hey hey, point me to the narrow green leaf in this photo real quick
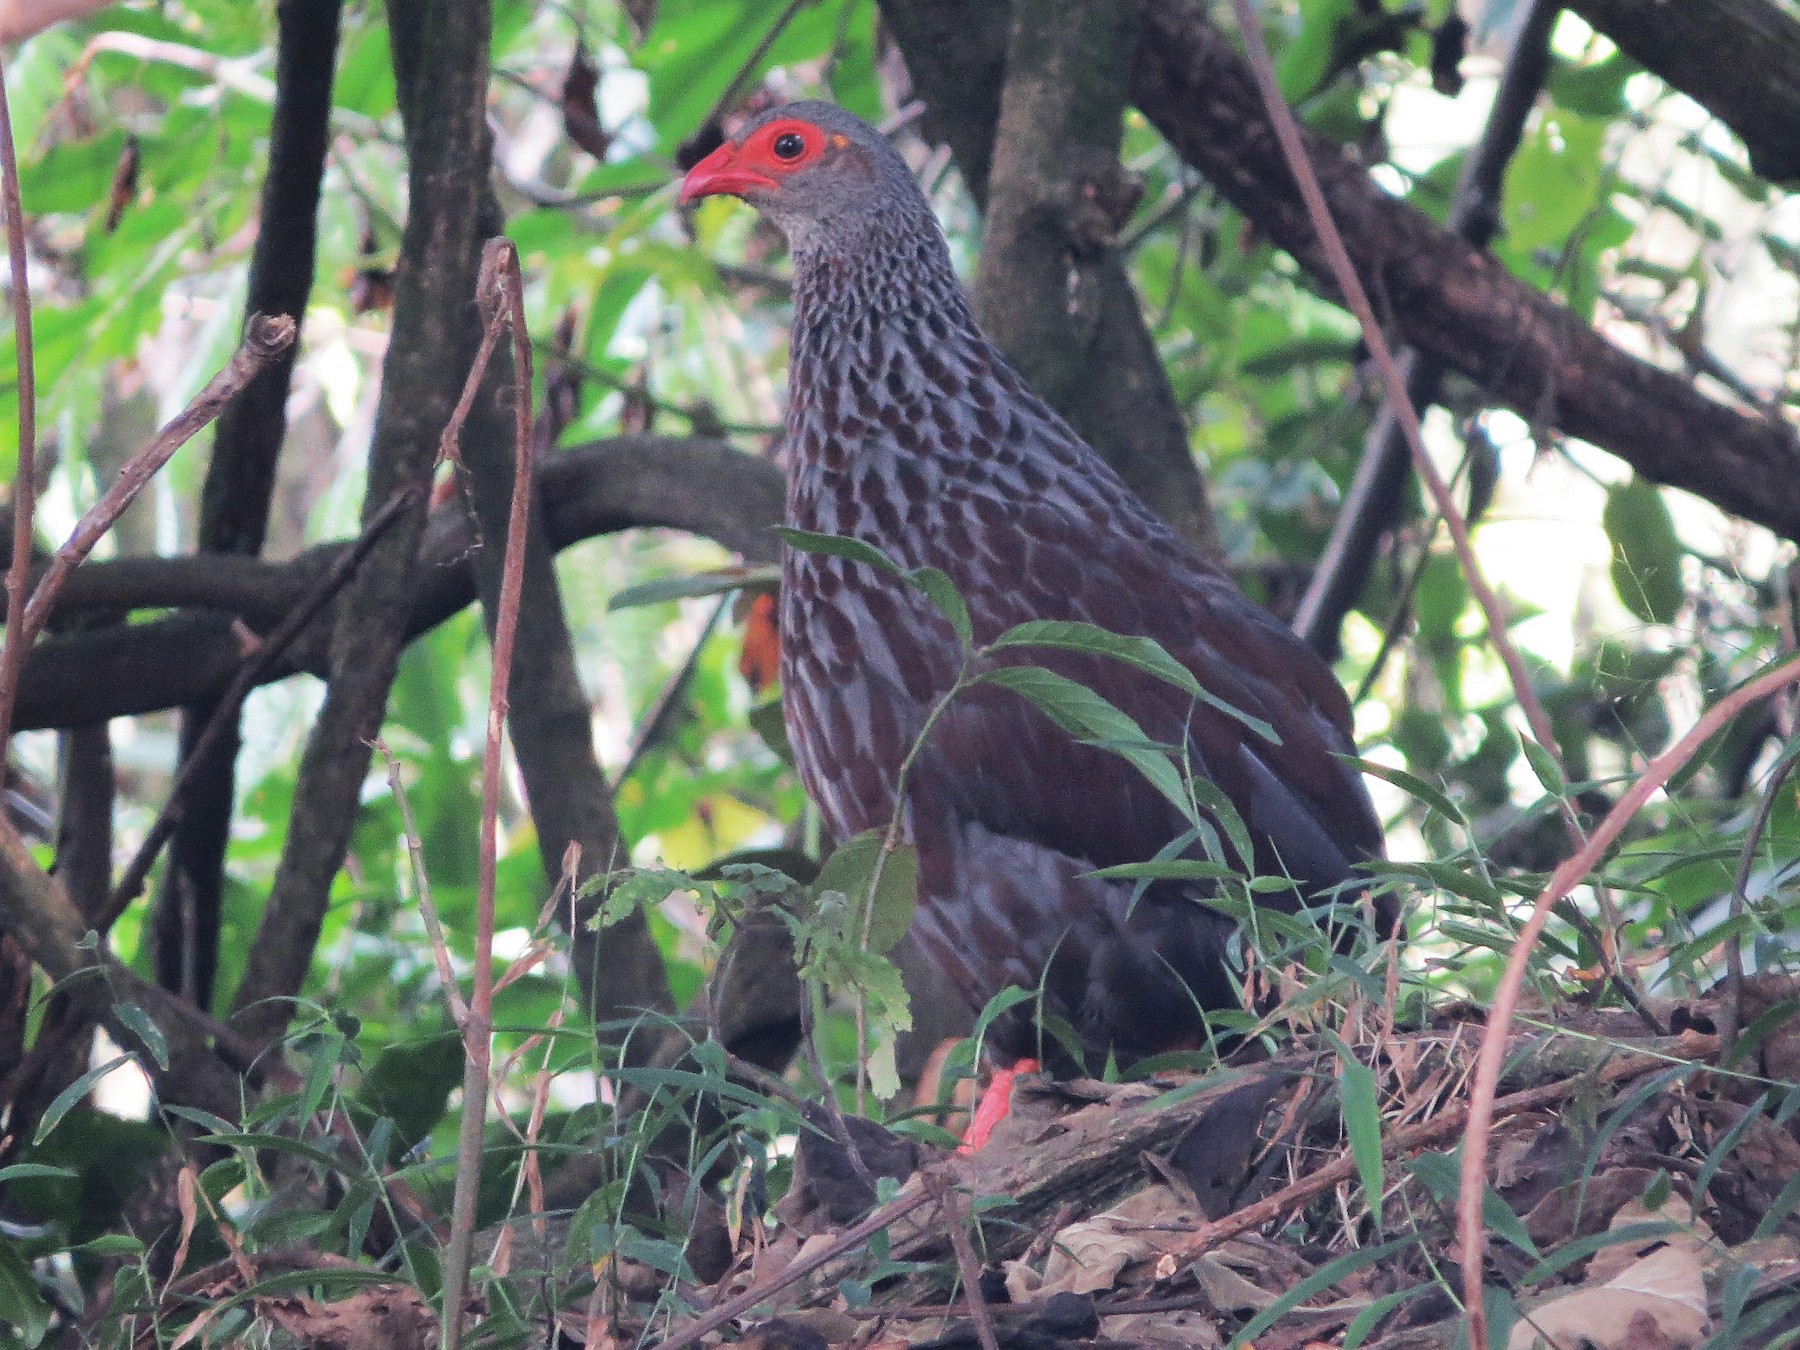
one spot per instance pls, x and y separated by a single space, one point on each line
1088 717
72 1094
1543 764
111 1244
1779 1210
1715 1159
21 1305
1317 1282
1145 653
932 583
1412 785
1169 869
36 1172
280 1143
720 581
1364 1322
840 546
1216 804
1360 1104
319 1073
942 592
146 1031
1631 1234
1439 1173
1007 999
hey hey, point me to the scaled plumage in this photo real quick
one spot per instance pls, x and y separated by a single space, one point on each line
908 429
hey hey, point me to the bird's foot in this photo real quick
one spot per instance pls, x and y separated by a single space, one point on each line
996 1102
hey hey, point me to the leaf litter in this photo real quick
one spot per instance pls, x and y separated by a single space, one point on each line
1643 1192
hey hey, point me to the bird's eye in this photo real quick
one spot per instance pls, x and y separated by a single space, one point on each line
789 145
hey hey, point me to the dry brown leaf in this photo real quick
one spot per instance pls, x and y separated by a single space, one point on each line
1610 1262
1610 1319
1658 1302
1227 1290
1088 1257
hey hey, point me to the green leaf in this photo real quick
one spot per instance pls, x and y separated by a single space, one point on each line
839 546
1215 803
73 1093
1088 717
719 581
280 1143
767 720
1411 784
1364 1322
1168 869
932 583
112 1244
1360 1105
1317 1282
1632 1234
1647 553
942 592
146 1031
1543 764
887 909
21 1305
1146 654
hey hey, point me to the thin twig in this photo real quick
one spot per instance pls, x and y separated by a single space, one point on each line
1474 215
1343 271
966 1264
500 293
840 1127
428 910
267 338
24 493
225 711
1471 1235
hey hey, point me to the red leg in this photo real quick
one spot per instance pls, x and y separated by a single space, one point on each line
995 1103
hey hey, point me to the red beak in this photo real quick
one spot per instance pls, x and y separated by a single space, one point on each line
720 173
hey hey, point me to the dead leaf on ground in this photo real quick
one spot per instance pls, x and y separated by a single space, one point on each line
1657 1302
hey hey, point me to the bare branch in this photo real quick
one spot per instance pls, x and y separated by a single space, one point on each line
1448 299
693 484
12 655
225 711
500 292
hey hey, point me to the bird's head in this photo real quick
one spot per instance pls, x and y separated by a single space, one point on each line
815 170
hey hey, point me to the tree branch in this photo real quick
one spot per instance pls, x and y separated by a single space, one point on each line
447 163
240 479
1739 59
694 484
1449 300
